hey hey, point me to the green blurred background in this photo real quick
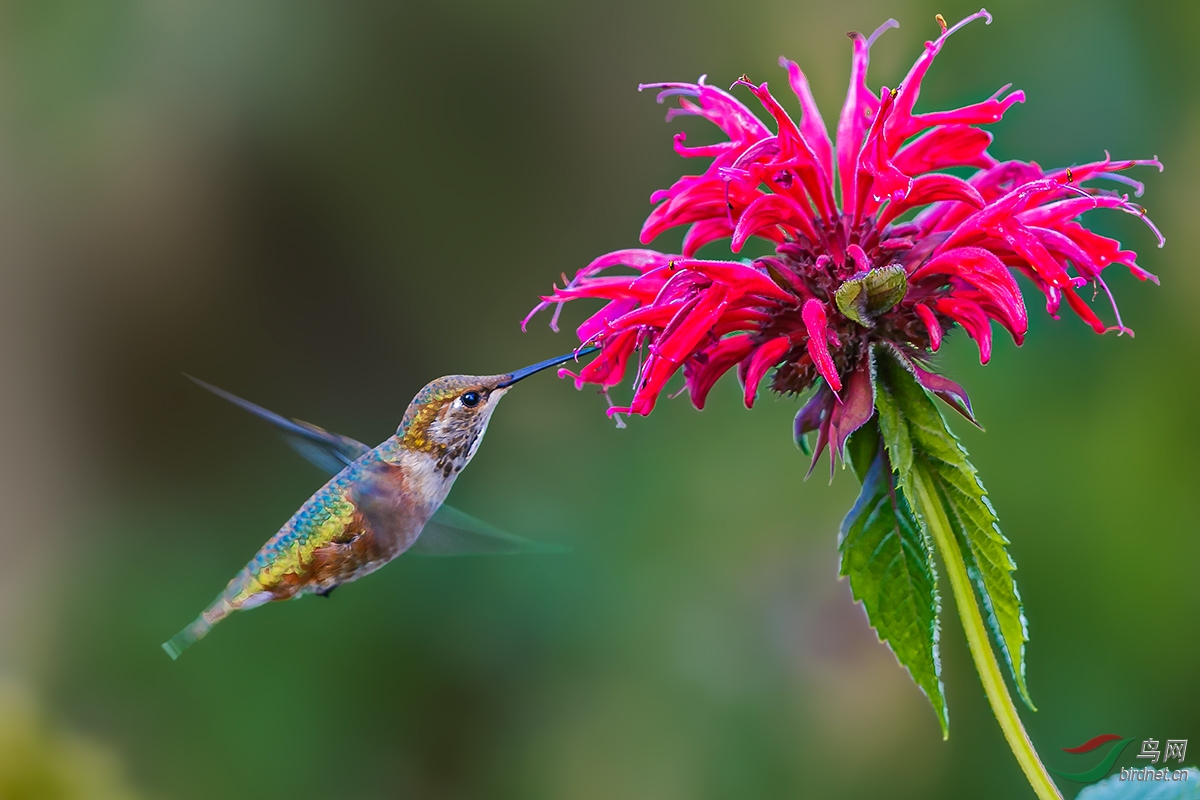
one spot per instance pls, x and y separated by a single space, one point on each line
322 205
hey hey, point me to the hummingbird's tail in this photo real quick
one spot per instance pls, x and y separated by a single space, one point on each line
199 627
186 637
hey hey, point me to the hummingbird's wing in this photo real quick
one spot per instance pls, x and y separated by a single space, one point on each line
451 532
331 452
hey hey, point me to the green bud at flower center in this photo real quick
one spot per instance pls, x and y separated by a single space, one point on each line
866 296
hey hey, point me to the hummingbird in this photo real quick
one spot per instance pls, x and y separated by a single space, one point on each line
381 502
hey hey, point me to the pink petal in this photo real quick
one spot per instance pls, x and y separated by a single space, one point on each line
690 326
717 106
815 322
987 112
814 416
945 146
608 368
696 198
704 232
910 88
601 322
983 270
852 410
1083 310
702 375
812 127
857 111
878 179
931 324
765 356
795 150
768 211
740 279
815 412
949 391
974 322
931 189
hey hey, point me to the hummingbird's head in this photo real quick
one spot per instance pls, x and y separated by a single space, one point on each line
448 418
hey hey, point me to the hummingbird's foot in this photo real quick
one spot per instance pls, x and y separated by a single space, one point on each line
326 592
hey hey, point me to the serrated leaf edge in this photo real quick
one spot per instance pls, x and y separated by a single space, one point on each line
953 448
875 475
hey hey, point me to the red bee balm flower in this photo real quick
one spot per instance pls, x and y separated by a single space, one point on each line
876 245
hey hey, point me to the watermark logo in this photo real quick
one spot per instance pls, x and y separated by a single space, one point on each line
1152 750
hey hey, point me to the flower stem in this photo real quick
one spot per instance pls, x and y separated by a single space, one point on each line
977 640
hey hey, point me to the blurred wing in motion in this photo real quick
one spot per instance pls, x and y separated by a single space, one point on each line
378 494
451 532
331 452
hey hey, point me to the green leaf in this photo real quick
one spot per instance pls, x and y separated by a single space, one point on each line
862 448
889 563
917 438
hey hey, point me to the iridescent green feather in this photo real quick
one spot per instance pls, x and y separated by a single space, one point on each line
318 522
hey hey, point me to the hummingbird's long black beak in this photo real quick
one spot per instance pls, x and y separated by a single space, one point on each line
521 374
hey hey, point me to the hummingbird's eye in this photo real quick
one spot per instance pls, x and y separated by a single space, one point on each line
470 399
